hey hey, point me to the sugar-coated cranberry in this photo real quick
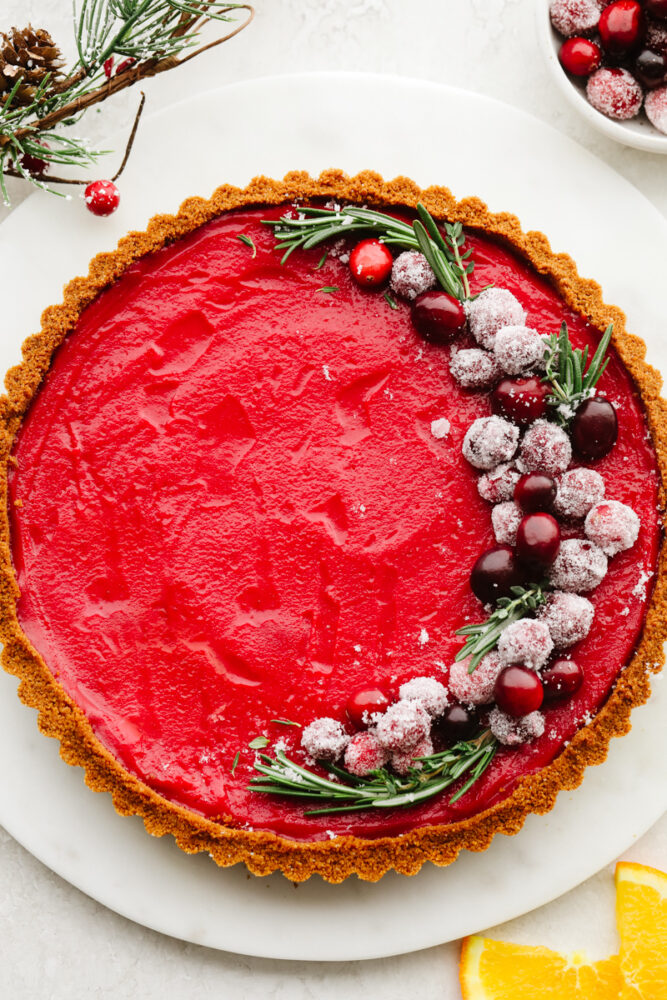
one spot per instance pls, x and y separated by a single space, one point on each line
495 573
594 428
580 56
656 108
622 26
370 264
562 679
101 197
365 703
521 400
650 68
614 92
535 491
518 691
538 540
457 723
658 8
438 317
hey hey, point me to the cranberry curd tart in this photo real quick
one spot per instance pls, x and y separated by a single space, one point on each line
333 525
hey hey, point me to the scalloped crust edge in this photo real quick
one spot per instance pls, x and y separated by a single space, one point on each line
334 860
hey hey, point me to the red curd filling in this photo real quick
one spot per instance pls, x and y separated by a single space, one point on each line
233 510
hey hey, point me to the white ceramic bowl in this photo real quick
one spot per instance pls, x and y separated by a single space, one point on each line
638 132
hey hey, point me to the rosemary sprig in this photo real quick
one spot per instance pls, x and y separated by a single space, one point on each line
446 254
571 382
381 789
248 241
483 637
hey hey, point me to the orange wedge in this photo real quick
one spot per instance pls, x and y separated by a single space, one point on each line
641 916
497 970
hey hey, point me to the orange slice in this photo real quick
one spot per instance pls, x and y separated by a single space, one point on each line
641 915
497 970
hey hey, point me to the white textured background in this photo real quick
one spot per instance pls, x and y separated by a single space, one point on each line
55 943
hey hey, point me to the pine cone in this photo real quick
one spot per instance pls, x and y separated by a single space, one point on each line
27 55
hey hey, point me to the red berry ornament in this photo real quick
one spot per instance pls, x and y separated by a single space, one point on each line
622 27
34 164
438 317
521 400
365 703
518 691
580 56
370 264
125 64
535 491
562 679
108 67
538 540
102 197
494 574
594 428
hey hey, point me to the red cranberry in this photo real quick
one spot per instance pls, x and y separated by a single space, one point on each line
650 69
580 56
518 691
521 400
370 263
535 491
366 700
438 316
658 8
538 540
494 574
622 26
594 429
457 723
562 679
102 197
108 67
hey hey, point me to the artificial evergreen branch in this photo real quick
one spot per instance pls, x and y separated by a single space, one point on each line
119 42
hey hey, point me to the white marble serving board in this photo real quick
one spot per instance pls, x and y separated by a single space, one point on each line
271 126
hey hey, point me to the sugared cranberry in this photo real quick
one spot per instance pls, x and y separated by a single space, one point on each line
656 108
365 703
534 492
538 540
370 264
594 428
614 92
438 316
494 574
580 56
622 26
650 68
101 197
562 679
518 691
521 400
457 723
658 8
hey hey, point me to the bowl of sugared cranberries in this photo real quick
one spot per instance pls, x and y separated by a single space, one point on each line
609 59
